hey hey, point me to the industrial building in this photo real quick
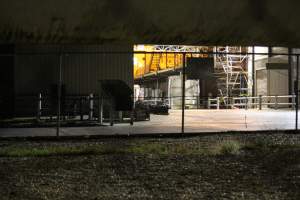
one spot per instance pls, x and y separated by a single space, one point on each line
154 72
28 71
211 72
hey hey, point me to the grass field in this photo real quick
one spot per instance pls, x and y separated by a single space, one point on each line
240 166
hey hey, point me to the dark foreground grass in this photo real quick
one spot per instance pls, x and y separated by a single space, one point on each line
14 151
214 167
228 147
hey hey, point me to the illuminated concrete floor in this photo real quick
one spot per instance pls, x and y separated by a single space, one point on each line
195 121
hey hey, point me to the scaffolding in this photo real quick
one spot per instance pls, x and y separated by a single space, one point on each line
231 71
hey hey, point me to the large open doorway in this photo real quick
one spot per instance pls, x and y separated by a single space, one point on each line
225 88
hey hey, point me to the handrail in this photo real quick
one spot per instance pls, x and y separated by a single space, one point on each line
246 102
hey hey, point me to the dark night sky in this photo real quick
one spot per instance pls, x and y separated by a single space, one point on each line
244 22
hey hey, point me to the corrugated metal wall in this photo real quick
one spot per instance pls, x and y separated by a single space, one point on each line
35 73
261 82
261 77
278 82
37 67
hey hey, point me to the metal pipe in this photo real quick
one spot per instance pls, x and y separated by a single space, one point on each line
183 93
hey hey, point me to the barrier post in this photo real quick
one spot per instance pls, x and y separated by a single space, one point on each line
81 109
276 102
293 102
91 103
233 103
39 109
112 112
100 109
218 103
260 102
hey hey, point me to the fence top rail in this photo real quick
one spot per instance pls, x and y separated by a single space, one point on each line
242 98
287 96
66 53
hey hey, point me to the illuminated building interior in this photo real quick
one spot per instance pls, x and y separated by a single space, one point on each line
157 58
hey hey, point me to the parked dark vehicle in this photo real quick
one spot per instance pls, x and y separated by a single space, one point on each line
141 111
157 107
160 108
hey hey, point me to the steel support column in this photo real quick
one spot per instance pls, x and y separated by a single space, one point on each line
290 72
297 91
183 92
253 72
